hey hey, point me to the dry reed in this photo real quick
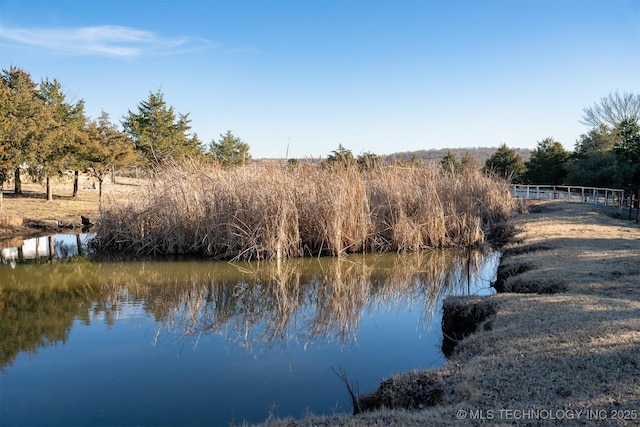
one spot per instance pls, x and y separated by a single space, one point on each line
269 211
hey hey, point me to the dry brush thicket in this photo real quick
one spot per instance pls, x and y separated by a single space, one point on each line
271 211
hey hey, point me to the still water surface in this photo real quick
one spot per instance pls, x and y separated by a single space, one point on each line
210 343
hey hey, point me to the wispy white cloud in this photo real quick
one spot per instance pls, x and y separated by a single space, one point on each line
106 40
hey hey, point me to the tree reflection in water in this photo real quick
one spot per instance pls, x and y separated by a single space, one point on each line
255 306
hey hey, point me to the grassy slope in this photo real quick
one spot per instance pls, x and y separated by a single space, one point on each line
579 349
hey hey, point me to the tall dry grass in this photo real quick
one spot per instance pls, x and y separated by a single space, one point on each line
272 211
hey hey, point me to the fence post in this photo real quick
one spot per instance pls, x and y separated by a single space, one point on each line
621 200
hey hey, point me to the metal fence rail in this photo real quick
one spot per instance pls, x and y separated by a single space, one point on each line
600 196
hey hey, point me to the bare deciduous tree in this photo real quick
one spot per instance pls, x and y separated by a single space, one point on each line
612 110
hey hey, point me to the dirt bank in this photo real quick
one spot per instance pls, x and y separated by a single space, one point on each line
14 228
567 352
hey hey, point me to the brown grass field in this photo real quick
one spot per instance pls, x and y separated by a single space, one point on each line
566 358
33 204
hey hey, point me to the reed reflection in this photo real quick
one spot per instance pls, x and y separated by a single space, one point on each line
311 301
253 306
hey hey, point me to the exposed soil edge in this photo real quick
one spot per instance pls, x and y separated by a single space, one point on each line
462 316
409 390
509 278
19 228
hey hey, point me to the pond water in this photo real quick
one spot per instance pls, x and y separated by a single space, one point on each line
212 343
51 247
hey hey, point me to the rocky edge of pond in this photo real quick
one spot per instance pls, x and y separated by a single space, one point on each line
559 344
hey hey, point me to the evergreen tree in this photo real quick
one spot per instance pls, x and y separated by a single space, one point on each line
547 164
598 169
627 143
607 157
627 149
597 140
341 156
59 137
507 164
368 161
106 148
449 162
593 162
23 116
159 134
230 151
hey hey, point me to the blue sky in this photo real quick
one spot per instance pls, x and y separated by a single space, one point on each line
379 76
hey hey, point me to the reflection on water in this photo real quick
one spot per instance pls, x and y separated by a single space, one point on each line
317 311
56 246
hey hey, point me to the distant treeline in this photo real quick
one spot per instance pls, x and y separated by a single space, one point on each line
480 154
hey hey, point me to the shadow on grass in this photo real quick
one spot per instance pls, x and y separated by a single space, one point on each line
579 349
35 195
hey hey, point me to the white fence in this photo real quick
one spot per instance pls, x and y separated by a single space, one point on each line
599 196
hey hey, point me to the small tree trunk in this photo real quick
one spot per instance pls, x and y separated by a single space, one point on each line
113 174
17 182
2 177
638 210
100 193
49 192
75 184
